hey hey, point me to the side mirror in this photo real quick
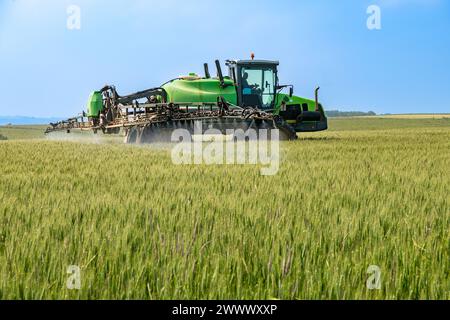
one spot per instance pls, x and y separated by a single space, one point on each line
291 91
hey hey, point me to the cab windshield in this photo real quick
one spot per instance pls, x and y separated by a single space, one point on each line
258 86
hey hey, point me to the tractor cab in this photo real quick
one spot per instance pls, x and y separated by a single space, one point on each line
256 82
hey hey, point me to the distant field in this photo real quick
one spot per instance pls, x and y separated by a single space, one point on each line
367 192
335 124
381 123
411 116
23 132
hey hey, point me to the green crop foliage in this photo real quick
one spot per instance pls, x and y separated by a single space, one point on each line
140 227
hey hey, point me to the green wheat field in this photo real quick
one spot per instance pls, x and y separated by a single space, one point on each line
366 192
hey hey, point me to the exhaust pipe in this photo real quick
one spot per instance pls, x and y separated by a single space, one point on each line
219 74
317 98
207 75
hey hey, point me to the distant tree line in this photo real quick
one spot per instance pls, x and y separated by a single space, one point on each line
337 113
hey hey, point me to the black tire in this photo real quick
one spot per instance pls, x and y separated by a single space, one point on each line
132 135
156 134
287 132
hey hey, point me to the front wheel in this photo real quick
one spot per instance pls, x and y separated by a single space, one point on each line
132 135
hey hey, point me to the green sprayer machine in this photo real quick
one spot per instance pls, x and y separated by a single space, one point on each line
250 96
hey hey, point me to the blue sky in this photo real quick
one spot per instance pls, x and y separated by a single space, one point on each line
48 70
